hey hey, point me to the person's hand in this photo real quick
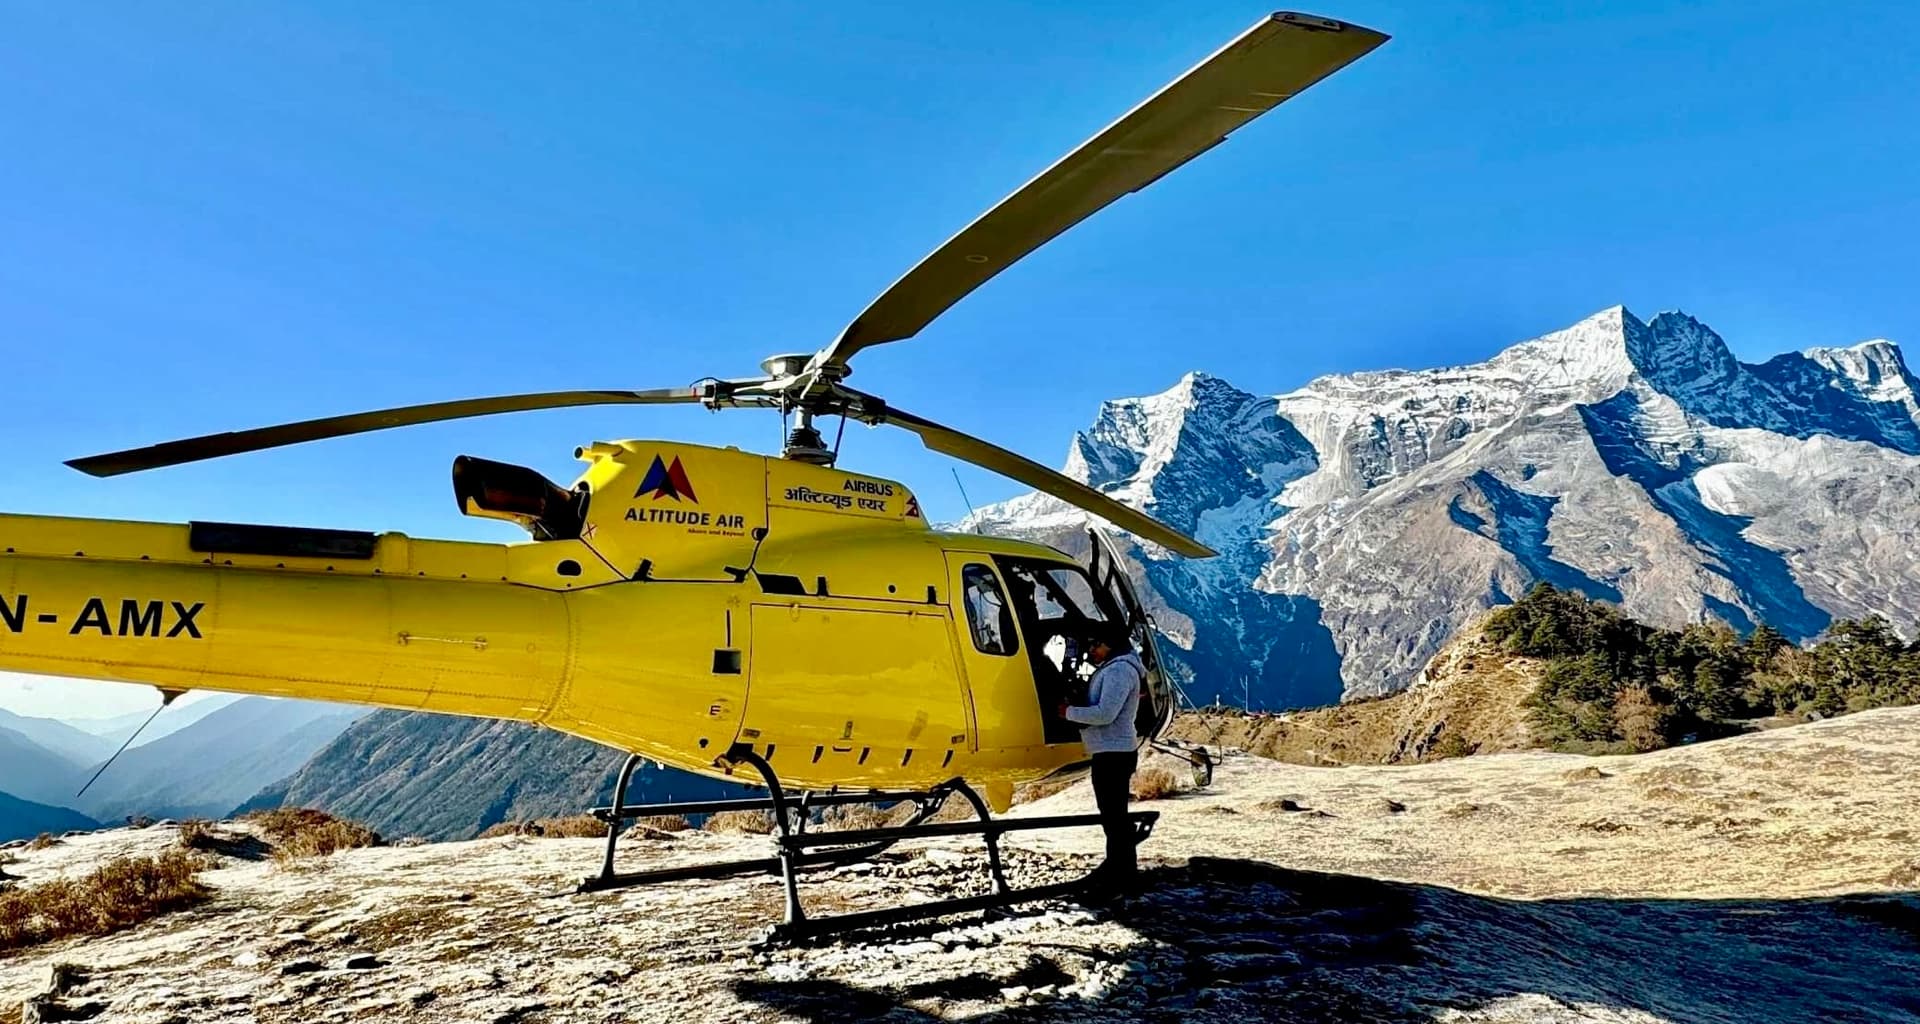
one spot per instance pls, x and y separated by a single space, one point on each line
1060 709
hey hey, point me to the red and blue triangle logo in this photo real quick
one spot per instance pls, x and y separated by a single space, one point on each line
667 481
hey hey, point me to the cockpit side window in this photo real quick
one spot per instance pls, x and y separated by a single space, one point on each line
989 617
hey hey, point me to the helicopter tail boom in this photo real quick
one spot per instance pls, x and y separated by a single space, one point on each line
326 615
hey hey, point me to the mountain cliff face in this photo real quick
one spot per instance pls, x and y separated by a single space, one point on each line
1365 517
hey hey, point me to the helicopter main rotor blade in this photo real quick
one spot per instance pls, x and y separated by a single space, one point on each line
213 446
986 455
1268 64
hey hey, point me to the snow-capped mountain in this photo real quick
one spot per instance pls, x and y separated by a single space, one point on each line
1365 517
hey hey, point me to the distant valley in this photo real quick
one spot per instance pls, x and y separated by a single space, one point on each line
442 777
222 754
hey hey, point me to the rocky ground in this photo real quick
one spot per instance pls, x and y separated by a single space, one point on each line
1771 877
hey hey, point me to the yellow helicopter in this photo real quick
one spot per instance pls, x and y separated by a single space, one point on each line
701 607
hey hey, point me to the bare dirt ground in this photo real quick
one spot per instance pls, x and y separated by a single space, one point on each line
1771 877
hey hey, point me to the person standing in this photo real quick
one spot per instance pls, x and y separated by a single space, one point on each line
1107 731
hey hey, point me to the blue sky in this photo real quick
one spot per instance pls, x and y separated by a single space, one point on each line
220 215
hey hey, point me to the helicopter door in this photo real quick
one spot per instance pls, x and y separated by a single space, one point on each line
842 687
1005 706
1104 565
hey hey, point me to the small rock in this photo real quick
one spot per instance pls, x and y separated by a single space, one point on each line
940 856
1014 993
63 978
360 962
300 967
247 959
480 979
1391 806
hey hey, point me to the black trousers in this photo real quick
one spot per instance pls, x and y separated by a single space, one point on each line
1112 788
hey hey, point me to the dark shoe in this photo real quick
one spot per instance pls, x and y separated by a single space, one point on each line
1107 886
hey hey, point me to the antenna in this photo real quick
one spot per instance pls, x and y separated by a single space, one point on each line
963 494
166 698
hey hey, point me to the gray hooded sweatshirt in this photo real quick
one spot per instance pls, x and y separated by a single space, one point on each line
1106 723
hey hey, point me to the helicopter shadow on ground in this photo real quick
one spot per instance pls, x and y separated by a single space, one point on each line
1232 940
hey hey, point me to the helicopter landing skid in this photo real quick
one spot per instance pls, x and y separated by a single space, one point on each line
799 850
785 809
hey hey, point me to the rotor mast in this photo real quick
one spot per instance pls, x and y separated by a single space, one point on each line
803 442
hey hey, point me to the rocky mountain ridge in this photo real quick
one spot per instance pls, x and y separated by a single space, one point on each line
1470 699
1365 517
20 819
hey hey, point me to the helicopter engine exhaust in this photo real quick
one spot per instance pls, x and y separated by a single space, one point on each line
500 490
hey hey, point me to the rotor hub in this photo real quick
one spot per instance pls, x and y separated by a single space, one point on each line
789 364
